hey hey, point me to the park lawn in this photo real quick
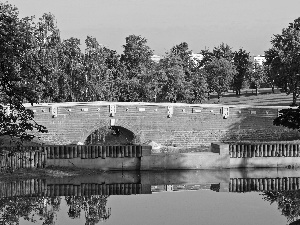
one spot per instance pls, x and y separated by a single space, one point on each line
248 97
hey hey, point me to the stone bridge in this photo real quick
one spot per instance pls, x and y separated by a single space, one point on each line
169 124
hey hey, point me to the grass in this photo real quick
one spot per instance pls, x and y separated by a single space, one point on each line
248 97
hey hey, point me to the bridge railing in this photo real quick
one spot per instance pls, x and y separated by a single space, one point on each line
241 150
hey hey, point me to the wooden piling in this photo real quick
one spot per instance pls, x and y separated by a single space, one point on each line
70 151
93 154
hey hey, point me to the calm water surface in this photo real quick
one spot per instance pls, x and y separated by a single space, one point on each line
218 197
187 207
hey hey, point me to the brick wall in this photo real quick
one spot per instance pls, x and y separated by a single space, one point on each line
188 125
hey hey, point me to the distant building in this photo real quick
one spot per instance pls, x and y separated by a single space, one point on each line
259 59
196 56
156 58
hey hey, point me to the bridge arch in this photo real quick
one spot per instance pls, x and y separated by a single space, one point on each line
102 132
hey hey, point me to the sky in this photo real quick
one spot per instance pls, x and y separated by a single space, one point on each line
203 24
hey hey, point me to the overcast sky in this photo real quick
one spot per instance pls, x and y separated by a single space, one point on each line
247 24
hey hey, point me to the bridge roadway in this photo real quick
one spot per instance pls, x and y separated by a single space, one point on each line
169 124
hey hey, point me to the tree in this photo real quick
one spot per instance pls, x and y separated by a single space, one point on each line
136 55
20 74
223 51
220 73
272 67
199 85
14 208
174 86
218 68
288 203
257 76
72 85
284 57
241 61
136 59
97 75
289 118
93 206
182 78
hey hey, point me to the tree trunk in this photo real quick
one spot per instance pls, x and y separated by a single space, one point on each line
219 97
256 91
294 99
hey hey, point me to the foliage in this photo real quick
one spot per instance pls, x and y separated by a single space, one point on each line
174 85
93 206
223 51
288 202
182 78
20 74
220 73
136 59
14 208
272 68
199 85
289 118
284 57
241 61
257 76
58 71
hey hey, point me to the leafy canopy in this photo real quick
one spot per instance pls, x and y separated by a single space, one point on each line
20 74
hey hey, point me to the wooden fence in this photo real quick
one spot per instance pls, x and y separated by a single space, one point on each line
240 150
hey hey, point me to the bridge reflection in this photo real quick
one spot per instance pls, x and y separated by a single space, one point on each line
87 195
132 183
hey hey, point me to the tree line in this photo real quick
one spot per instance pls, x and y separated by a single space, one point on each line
36 65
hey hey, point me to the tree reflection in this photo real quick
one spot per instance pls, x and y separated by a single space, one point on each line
44 209
288 203
14 208
93 206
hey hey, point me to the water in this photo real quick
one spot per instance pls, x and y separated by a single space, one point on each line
169 197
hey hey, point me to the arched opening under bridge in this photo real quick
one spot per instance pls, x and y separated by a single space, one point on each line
114 135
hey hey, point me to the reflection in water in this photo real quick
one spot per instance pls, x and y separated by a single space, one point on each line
288 203
44 209
93 206
13 208
40 199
